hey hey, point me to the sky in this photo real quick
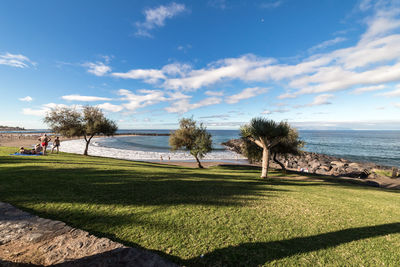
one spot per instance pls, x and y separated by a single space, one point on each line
321 64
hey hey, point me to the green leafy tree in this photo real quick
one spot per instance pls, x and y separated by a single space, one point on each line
71 123
291 144
191 137
266 134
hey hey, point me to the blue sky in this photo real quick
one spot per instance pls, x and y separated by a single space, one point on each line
317 64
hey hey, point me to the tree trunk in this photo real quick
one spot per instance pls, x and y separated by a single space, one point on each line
265 162
280 163
198 162
86 148
87 145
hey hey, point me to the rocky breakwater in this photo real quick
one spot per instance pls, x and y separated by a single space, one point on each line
318 163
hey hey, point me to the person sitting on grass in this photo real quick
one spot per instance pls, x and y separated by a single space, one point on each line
22 150
56 144
38 149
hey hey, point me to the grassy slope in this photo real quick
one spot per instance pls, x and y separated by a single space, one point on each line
226 213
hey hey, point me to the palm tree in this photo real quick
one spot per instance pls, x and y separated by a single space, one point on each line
266 134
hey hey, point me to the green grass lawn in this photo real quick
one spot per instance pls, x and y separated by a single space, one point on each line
215 217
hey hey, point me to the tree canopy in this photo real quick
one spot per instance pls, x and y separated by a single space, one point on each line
89 122
266 134
194 138
291 144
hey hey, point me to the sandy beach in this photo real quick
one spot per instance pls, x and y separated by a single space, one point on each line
29 140
25 140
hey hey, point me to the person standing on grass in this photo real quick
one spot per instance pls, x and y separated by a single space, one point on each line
56 144
44 140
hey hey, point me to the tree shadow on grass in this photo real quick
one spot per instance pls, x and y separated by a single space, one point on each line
160 187
134 186
138 184
246 254
256 254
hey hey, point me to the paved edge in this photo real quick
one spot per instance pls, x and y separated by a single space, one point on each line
28 240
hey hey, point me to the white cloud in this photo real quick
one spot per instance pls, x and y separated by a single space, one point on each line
41 112
184 48
271 4
278 110
365 5
155 17
176 95
176 69
14 60
222 116
97 68
321 100
281 104
34 112
26 99
221 4
84 98
110 107
287 95
383 22
183 77
327 44
214 93
150 75
145 98
392 93
246 93
318 100
368 89
225 69
184 105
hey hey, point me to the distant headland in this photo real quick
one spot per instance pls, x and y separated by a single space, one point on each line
10 128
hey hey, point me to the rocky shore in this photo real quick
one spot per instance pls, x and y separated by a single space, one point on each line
321 164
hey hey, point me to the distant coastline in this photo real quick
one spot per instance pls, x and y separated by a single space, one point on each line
11 128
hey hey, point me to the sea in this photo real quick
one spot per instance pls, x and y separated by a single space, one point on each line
380 147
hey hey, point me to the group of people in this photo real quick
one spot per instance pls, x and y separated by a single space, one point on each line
42 146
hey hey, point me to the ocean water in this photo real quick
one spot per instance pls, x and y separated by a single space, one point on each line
381 147
160 143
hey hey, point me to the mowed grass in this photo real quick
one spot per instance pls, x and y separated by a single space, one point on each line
216 217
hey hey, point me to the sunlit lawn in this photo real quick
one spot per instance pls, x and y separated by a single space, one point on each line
217 216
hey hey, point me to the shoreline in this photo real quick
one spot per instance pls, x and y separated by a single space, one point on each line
77 147
15 140
30 139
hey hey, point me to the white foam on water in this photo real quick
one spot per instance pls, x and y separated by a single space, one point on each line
78 146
